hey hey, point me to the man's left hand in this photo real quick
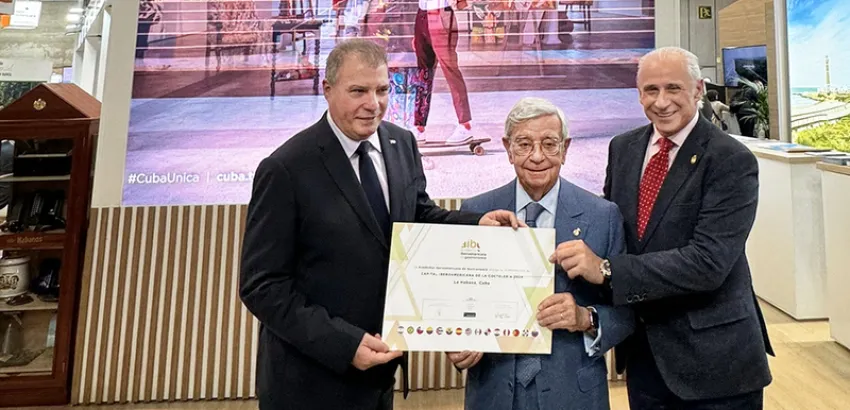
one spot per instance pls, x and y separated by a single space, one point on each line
576 258
560 311
501 218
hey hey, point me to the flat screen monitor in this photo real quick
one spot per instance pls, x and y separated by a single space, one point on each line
745 62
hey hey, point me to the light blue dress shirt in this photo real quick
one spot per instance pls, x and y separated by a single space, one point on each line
546 219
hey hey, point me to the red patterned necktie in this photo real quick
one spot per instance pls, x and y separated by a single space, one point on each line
653 177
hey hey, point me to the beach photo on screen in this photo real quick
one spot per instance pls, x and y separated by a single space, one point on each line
819 71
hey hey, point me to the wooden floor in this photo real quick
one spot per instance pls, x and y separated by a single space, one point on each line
810 372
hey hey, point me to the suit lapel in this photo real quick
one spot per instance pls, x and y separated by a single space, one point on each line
506 199
389 149
339 167
684 164
568 227
632 168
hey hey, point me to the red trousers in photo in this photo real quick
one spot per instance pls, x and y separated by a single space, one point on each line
435 36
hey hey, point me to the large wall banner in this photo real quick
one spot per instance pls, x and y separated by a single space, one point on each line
219 84
819 62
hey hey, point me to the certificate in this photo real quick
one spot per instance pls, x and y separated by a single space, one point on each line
455 287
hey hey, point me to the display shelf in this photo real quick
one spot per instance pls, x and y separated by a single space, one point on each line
35 305
33 240
48 113
12 178
43 364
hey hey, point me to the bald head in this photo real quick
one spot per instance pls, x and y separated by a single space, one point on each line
670 87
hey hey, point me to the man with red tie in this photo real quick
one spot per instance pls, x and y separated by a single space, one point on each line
688 194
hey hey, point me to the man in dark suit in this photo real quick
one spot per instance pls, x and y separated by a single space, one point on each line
316 246
688 194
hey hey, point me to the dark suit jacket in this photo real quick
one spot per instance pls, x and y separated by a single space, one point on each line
688 279
314 266
569 378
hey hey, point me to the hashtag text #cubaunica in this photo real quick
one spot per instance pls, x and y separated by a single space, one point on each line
166 178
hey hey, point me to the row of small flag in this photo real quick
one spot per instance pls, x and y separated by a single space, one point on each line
468 331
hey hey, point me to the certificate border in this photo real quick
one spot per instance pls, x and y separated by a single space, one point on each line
400 256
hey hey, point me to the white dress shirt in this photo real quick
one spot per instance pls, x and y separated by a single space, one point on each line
678 139
546 219
350 147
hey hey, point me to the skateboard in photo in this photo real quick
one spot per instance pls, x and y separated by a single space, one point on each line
474 145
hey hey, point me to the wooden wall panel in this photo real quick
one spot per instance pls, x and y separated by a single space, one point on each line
160 317
742 24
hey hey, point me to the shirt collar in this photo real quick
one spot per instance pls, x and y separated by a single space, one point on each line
549 201
349 145
678 138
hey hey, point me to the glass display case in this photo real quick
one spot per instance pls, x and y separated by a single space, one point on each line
47 139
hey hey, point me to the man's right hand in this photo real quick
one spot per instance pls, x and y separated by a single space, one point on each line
372 352
465 359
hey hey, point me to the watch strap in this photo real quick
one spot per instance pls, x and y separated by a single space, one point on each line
594 318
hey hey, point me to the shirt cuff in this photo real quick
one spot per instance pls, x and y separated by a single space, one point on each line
592 345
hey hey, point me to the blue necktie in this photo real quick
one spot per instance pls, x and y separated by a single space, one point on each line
527 366
372 188
532 212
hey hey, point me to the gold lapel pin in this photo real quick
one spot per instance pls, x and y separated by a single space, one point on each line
693 159
577 232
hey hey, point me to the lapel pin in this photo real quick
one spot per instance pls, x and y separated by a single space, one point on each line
392 141
577 232
693 159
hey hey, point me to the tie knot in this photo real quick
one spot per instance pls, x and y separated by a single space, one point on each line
666 144
532 211
364 148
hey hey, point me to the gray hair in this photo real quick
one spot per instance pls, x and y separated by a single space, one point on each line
529 108
368 52
675 53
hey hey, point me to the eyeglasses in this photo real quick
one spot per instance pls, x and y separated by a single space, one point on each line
525 146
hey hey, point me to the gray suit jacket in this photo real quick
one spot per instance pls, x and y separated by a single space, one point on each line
688 279
569 378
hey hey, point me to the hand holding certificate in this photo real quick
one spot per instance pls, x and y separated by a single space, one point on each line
455 288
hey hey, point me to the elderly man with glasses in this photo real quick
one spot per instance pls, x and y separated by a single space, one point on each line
584 324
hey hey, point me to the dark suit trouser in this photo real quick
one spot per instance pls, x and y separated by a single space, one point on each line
435 40
648 391
385 402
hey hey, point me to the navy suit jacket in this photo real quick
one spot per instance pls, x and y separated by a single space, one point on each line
569 378
688 279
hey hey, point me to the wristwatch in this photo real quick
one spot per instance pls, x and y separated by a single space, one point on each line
605 269
594 318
